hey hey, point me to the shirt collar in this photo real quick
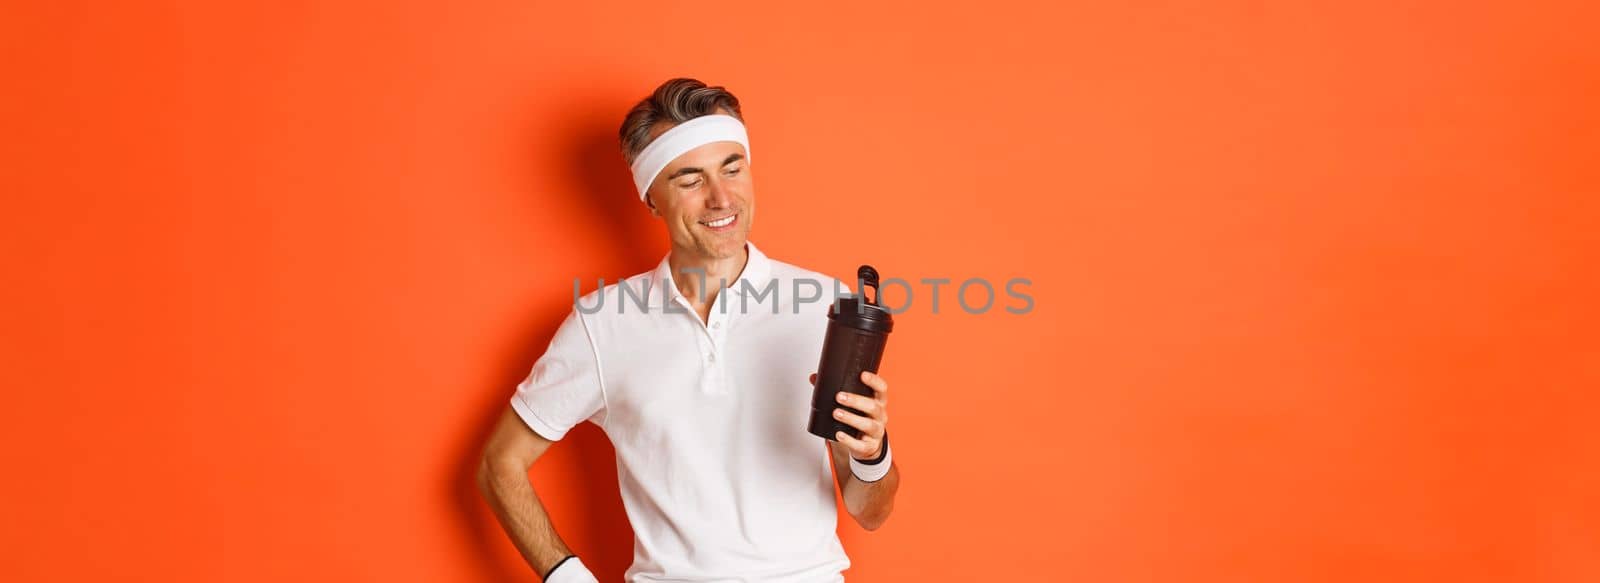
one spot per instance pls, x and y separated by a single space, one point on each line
753 278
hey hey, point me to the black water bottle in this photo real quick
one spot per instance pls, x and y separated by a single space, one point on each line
857 332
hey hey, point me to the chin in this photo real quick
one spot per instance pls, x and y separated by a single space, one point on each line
732 247
728 247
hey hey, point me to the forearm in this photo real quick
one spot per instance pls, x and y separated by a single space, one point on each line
523 517
871 502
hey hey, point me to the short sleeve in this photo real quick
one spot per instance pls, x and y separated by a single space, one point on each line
563 389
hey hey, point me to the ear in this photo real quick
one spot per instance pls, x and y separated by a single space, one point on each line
649 201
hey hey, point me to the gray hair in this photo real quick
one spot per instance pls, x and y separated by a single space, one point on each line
674 102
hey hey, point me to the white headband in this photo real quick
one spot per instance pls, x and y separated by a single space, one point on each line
681 138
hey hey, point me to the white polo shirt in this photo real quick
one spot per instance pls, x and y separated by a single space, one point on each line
719 477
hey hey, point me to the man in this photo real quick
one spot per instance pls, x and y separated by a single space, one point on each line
694 371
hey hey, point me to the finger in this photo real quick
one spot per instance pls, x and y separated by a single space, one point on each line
866 424
859 403
859 449
877 383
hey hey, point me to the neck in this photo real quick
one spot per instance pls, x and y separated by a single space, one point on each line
719 271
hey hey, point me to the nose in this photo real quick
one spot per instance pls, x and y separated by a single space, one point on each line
718 197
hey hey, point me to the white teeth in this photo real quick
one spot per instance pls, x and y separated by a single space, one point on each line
722 222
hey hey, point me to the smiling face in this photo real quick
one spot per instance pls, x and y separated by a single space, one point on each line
707 200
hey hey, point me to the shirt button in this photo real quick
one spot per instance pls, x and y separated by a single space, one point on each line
716 324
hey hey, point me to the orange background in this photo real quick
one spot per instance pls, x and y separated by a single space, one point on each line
1314 285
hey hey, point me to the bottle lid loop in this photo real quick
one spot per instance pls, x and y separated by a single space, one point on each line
869 277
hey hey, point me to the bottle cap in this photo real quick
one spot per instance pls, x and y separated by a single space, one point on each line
860 312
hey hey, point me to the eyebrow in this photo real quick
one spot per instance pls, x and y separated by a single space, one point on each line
734 157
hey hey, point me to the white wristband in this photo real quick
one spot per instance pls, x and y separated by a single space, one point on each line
571 571
872 472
